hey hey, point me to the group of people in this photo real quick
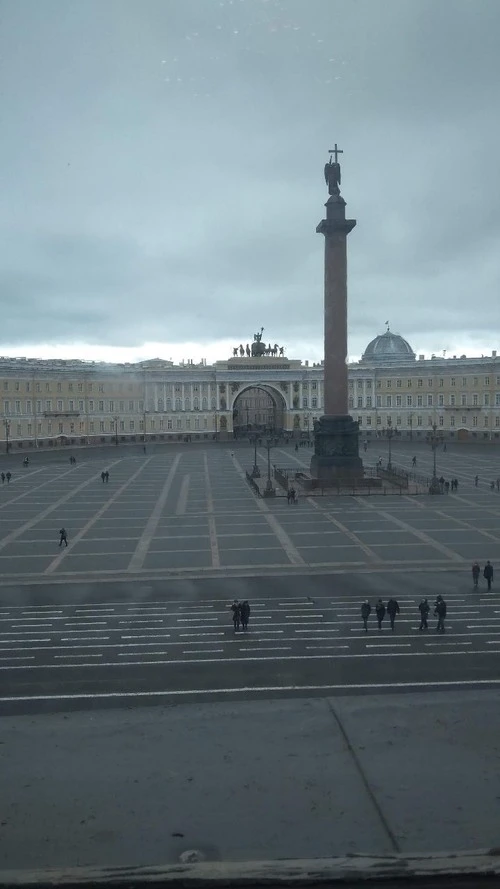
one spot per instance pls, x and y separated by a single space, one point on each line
487 573
4 476
105 476
291 495
241 615
445 485
392 609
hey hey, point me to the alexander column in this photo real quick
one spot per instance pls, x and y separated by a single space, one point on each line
336 446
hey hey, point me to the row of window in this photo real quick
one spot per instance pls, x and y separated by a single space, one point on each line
475 381
107 426
44 386
464 421
418 401
19 407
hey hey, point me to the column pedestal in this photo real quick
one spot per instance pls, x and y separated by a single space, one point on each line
336 450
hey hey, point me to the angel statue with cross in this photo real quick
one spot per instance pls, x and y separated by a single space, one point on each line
332 171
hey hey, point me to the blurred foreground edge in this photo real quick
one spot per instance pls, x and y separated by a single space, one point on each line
477 868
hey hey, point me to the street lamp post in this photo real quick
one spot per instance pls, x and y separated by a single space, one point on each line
410 423
390 433
255 471
269 490
6 423
115 421
434 438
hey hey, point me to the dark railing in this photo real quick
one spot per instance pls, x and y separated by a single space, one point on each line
254 486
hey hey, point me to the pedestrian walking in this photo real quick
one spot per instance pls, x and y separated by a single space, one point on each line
498 484
63 537
492 486
476 481
293 495
456 484
380 611
235 608
440 611
245 615
447 487
366 609
8 476
444 447
413 461
106 476
476 571
103 476
2 476
392 610
424 609
488 573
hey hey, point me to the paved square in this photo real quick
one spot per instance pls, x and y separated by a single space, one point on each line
138 601
191 509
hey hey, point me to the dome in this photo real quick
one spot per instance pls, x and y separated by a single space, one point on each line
388 348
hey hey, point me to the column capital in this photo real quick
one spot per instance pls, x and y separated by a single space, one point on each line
329 227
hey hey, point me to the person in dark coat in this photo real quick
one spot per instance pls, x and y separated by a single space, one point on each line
366 609
8 476
380 611
103 476
424 609
2 476
63 537
245 614
440 611
235 608
392 610
488 573
476 571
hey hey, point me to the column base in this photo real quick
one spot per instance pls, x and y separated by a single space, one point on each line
336 450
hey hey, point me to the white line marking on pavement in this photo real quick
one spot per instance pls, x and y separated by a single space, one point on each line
214 651
53 478
238 690
66 656
100 512
237 660
50 509
212 529
372 555
281 648
327 647
285 541
180 509
28 658
451 554
389 645
141 550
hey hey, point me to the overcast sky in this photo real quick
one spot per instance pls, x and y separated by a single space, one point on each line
161 167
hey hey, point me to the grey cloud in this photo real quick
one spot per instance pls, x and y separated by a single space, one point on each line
163 168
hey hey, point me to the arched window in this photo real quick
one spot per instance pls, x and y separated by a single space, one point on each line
169 404
204 404
187 404
178 404
214 403
160 404
196 403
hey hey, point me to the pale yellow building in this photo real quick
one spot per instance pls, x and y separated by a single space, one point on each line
56 403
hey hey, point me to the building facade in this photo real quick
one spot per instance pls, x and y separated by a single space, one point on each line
57 403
